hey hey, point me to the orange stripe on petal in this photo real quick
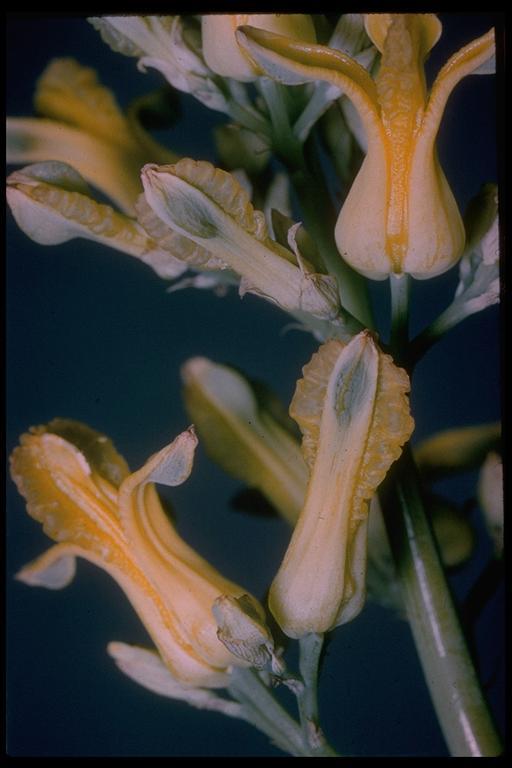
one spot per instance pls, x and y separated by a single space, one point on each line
465 62
187 583
293 62
58 485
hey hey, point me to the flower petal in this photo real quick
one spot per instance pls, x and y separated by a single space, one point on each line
490 496
54 569
242 436
103 164
479 268
220 47
353 410
456 450
71 94
61 492
211 208
377 26
87 130
187 584
52 204
178 246
294 63
159 42
146 668
474 58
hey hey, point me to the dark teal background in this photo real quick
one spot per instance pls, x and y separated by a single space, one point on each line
92 335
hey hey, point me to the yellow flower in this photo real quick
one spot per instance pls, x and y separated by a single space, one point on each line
82 125
221 50
353 411
78 486
400 215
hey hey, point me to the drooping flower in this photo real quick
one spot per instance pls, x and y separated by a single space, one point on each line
220 47
353 412
78 486
400 215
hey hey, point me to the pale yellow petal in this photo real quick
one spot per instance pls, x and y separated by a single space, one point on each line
172 242
242 436
435 231
293 63
52 204
72 94
476 55
103 164
222 52
146 668
435 228
377 26
54 569
456 450
167 44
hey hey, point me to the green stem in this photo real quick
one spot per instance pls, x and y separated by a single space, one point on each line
400 290
456 695
447 320
310 650
320 221
263 711
319 216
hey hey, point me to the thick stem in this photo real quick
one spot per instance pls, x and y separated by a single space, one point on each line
458 700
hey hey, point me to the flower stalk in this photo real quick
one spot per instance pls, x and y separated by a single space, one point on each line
400 292
456 695
262 710
310 650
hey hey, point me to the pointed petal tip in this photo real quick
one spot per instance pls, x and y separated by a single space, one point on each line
194 368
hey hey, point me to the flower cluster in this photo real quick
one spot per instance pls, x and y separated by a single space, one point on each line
277 77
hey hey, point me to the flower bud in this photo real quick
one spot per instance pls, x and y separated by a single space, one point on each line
353 411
